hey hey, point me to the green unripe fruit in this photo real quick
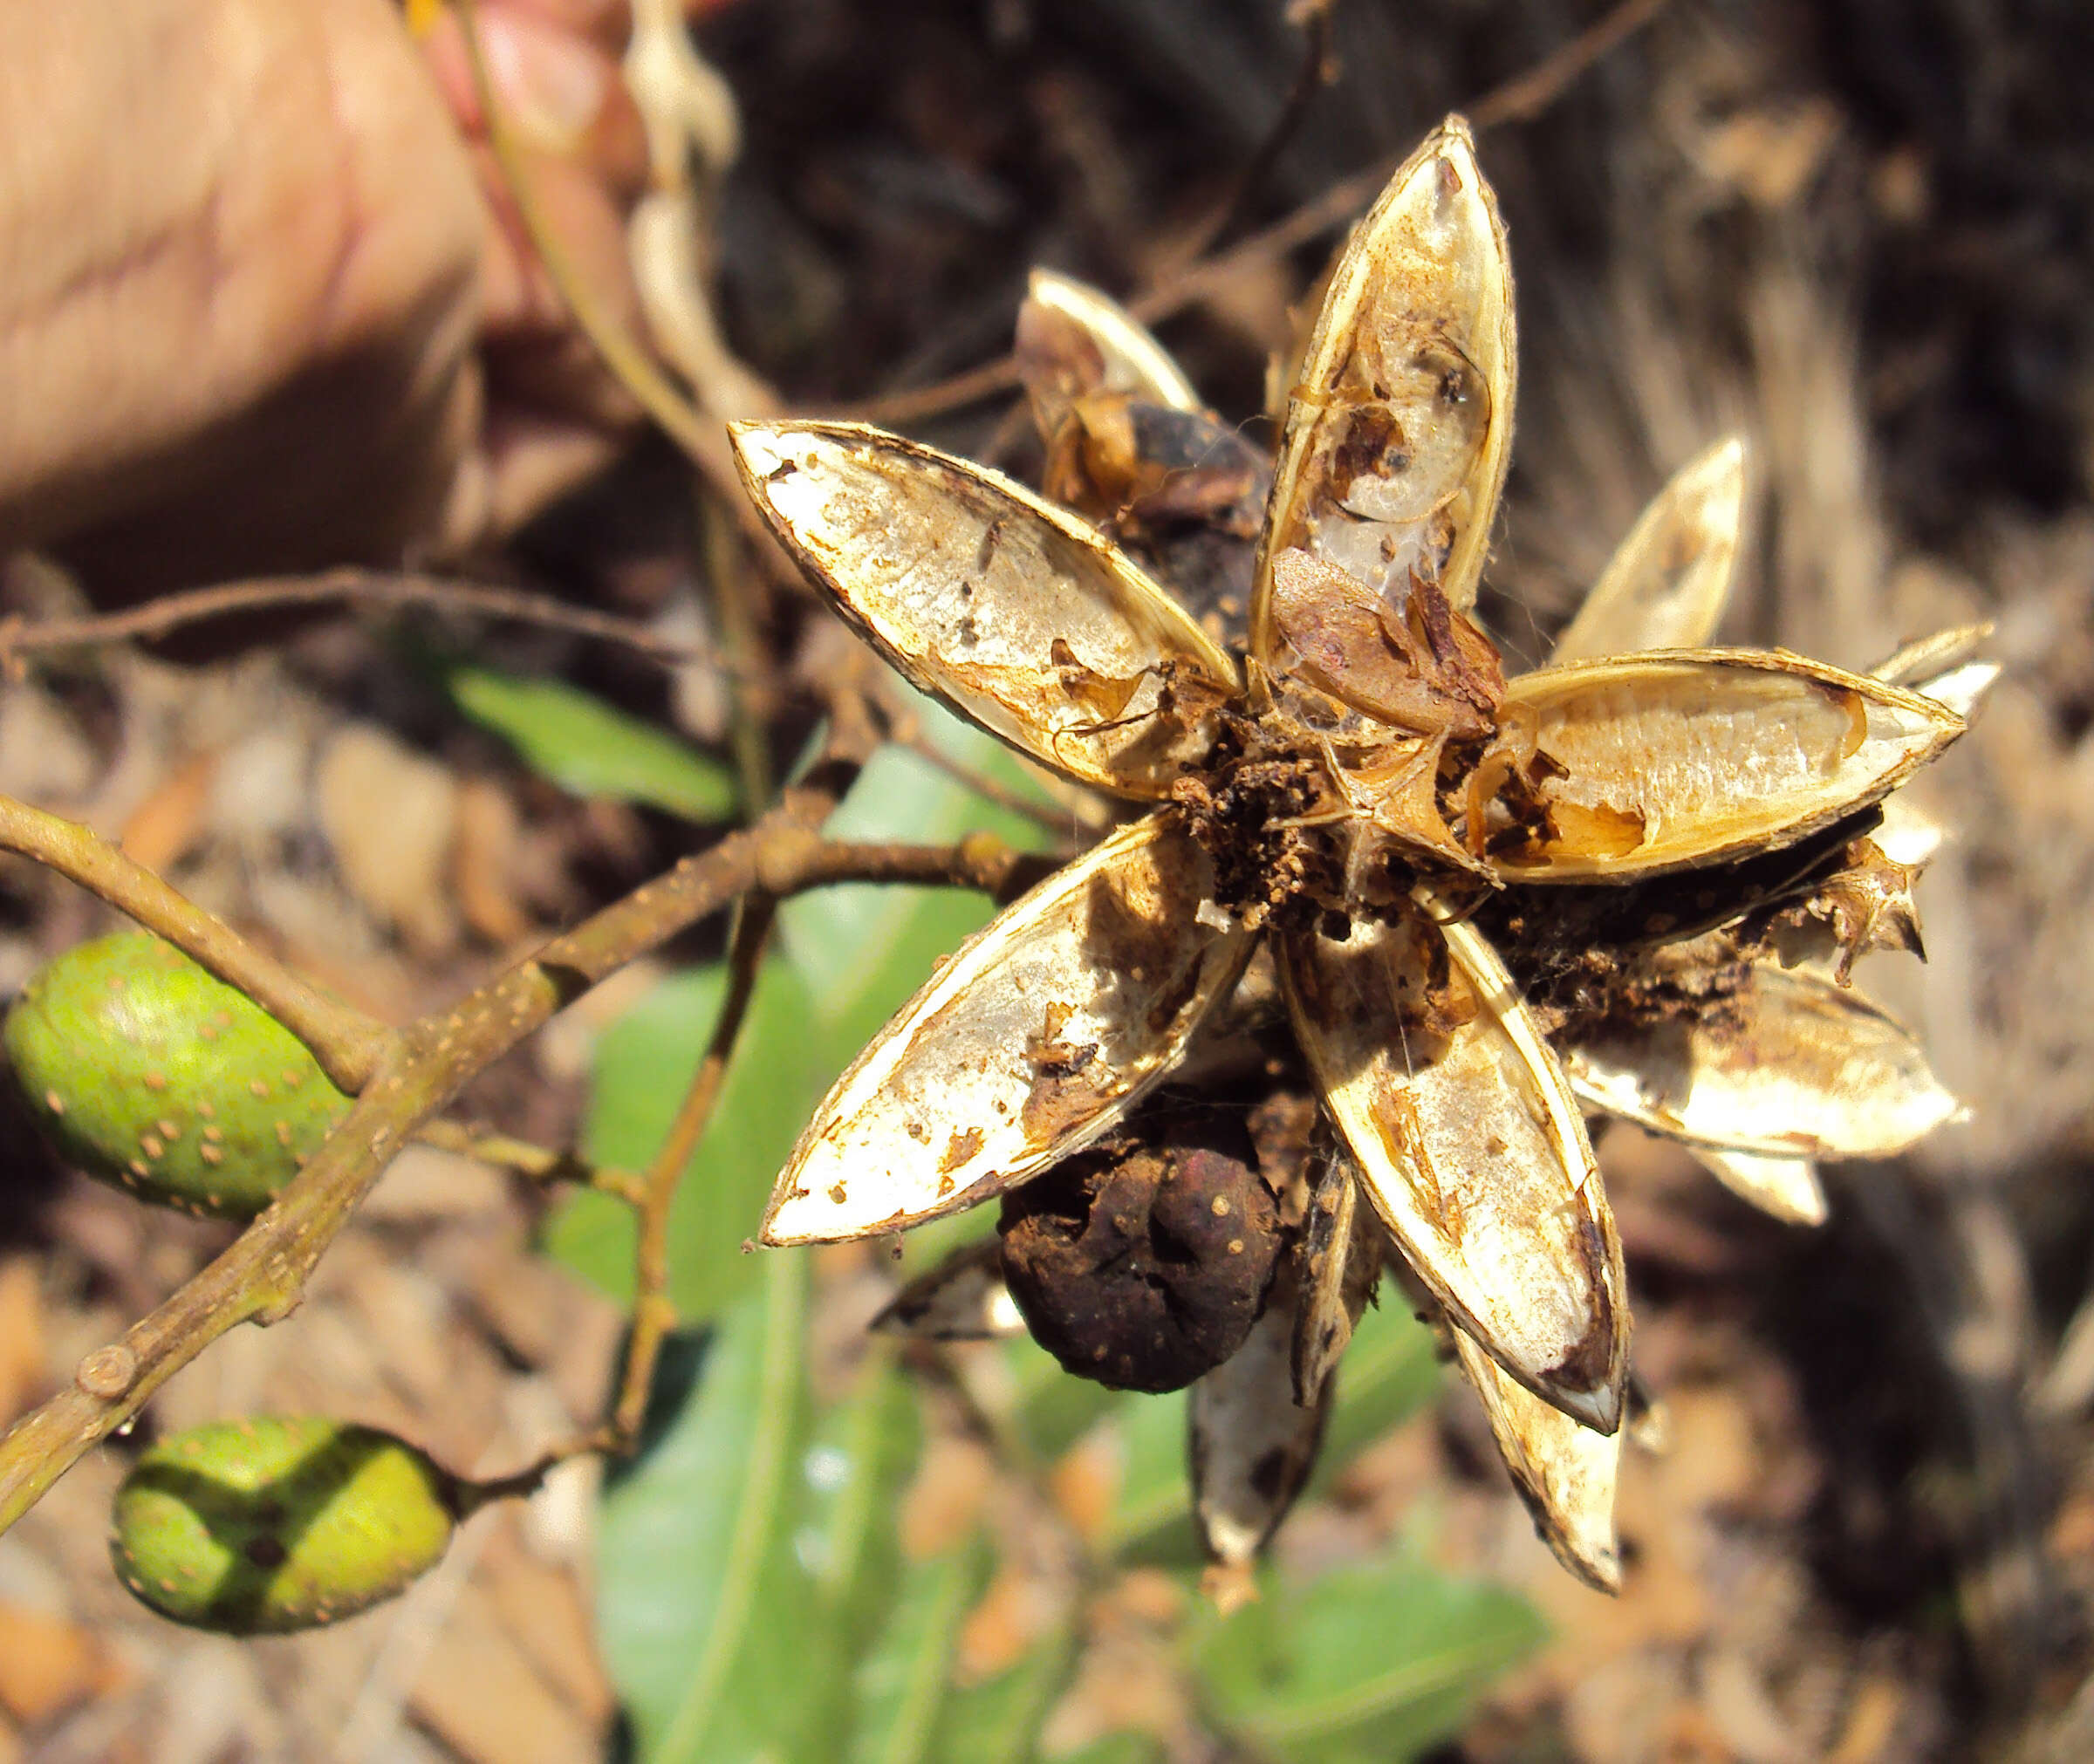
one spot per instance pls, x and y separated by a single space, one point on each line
279 1522
147 1071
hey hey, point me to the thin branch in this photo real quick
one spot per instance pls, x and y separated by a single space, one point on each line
347 1043
539 1164
1516 100
653 1315
1049 818
172 611
261 1276
1318 68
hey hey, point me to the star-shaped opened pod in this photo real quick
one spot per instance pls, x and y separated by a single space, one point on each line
1411 844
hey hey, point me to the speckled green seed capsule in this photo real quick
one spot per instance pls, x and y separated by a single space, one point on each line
148 1072
276 1523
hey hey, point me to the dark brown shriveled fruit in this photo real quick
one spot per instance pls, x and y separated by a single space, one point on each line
1143 1261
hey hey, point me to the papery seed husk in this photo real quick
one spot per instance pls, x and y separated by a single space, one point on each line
1793 1065
1909 835
1134 361
1945 666
964 1298
1030 1042
1666 586
1014 611
1471 1148
1335 1277
1782 1185
1565 1472
1251 1447
1398 435
1680 758
1939 653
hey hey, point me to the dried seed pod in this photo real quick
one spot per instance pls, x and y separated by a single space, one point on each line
964 1298
1129 360
1250 1444
148 1073
1667 586
1564 1472
1944 665
1029 1043
1674 759
1782 1185
1471 1148
1398 435
1791 1065
1337 1264
1144 1261
1013 611
272 1524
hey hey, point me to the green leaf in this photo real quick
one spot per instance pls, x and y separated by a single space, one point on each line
901 1685
643 1064
1154 1490
711 1624
589 748
1386 1657
1391 1370
1001 1717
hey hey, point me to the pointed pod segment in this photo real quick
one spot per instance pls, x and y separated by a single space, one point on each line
1793 1066
1783 1185
964 1298
1398 434
1014 611
1030 1042
1335 1275
1130 358
1471 1148
1564 1472
1250 1445
1686 757
1667 586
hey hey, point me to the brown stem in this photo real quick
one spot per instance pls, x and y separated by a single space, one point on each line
422 1068
347 1045
535 1163
172 611
1518 98
653 1315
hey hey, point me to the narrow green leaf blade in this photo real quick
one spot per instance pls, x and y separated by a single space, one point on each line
589 748
711 1625
901 1683
1384 1658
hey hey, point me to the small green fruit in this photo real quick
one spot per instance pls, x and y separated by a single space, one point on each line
148 1072
276 1523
